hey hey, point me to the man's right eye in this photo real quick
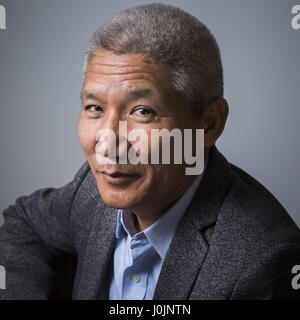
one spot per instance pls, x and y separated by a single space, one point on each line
93 108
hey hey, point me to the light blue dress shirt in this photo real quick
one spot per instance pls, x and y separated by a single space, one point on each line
139 256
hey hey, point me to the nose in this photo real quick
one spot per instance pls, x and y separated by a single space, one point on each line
112 144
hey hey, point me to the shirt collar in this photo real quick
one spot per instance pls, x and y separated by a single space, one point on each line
162 231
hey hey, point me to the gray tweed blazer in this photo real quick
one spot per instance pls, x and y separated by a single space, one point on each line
235 241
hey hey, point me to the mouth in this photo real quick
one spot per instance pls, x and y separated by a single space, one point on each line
117 178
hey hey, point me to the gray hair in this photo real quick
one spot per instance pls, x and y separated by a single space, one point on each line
172 36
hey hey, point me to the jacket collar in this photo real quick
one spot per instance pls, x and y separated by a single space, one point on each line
189 247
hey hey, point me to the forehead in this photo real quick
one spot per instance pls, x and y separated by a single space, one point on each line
110 73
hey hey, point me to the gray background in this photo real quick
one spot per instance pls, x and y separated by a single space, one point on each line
40 80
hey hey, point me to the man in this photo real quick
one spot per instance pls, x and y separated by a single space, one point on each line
149 230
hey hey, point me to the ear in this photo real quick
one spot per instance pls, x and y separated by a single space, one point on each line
213 121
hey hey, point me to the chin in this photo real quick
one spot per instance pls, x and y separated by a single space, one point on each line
119 204
127 196
118 199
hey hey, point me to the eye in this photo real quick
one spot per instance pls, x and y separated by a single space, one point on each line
141 111
93 108
93 111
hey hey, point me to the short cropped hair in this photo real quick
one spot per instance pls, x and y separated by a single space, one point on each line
171 36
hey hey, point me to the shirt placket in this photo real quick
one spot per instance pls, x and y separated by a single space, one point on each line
135 277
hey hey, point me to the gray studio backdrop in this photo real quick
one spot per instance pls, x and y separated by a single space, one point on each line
41 55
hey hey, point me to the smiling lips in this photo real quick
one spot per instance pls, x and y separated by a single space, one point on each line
117 177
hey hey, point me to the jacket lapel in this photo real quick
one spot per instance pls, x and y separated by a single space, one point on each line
96 262
189 247
182 263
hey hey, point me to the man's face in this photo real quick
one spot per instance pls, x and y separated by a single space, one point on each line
135 89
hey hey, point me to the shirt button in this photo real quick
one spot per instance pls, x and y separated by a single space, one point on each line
136 278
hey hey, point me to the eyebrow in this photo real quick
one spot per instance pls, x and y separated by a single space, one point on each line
142 93
88 95
135 94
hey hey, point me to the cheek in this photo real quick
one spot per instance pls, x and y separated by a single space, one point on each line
147 146
154 177
87 136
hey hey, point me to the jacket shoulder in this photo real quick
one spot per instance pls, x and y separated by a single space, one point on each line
252 235
256 215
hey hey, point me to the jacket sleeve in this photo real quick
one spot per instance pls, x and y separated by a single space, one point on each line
272 278
35 234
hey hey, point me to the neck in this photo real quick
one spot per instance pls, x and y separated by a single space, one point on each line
148 214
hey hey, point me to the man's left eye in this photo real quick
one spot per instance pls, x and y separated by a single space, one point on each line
143 111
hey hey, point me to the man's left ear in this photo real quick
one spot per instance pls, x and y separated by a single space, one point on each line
213 121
